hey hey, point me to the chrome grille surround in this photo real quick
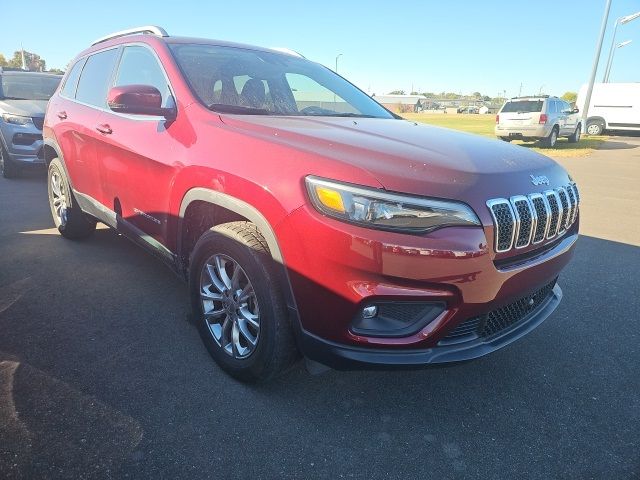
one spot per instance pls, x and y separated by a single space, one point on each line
522 220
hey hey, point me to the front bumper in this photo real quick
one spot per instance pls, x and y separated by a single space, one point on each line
23 143
336 269
345 357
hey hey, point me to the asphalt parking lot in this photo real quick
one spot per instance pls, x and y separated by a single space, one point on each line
103 376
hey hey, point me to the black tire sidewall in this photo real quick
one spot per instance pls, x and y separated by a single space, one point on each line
257 365
78 224
9 168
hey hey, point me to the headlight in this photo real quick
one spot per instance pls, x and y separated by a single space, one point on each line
16 119
387 211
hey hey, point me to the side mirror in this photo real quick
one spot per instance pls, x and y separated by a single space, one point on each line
575 110
139 100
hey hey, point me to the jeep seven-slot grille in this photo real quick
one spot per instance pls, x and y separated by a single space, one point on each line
522 220
500 319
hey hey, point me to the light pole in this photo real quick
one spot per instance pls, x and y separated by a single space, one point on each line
620 45
620 21
594 68
337 57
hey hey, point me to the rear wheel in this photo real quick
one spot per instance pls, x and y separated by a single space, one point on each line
552 139
595 127
238 304
575 137
69 219
8 167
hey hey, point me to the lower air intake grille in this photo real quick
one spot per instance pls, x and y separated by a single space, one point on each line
501 319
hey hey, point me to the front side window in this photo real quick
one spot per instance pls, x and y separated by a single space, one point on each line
95 78
254 82
28 86
139 66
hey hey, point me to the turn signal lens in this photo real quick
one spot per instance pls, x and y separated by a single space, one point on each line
330 198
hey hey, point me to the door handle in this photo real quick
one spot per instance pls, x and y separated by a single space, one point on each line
62 115
104 128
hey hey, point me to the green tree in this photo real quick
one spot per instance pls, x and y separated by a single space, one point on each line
428 94
396 92
3 61
33 61
415 93
570 97
477 94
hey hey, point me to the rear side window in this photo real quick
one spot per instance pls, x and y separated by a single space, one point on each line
139 66
71 83
525 106
95 78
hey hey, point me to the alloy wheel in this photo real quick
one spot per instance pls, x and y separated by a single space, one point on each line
58 197
229 306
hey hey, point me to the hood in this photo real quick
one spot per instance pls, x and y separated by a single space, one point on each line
414 158
26 108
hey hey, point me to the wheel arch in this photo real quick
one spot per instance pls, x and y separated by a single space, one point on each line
228 208
52 150
597 119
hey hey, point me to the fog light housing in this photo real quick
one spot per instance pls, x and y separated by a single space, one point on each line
395 319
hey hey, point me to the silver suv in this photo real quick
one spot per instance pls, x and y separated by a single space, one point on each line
23 100
541 118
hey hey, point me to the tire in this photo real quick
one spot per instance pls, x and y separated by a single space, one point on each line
250 338
575 137
8 167
552 139
69 219
505 139
595 127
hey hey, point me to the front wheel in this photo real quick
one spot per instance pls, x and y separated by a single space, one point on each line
69 219
238 304
575 137
9 169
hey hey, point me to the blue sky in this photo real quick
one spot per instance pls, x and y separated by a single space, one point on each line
461 46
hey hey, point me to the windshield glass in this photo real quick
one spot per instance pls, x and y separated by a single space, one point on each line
523 106
253 82
24 86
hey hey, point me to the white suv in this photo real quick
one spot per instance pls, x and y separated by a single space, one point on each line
538 118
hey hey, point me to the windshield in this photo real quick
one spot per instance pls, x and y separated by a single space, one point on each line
525 106
24 86
253 82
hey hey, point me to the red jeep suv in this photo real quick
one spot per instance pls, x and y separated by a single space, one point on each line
306 217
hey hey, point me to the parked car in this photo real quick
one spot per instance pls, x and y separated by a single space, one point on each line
306 217
468 109
23 99
613 106
541 118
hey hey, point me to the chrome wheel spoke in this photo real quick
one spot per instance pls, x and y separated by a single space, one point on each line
217 283
249 317
222 272
244 331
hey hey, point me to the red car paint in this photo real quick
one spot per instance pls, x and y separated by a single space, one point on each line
143 171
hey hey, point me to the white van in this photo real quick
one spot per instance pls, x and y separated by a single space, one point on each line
614 106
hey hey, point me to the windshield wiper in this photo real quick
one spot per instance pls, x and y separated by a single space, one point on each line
13 98
337 114
224 108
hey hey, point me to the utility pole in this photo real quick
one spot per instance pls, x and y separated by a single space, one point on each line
24 64
520 91
594 69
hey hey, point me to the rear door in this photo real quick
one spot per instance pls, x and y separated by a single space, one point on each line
139 156
571 119
77 119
